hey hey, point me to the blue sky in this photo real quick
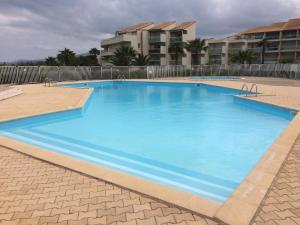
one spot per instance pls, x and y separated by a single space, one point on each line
35 29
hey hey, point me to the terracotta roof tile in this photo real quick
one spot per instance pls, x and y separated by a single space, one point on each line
163 25
292 24
289 25
184 25
136 27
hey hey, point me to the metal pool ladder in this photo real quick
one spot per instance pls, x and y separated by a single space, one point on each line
49 82
121 77
249 91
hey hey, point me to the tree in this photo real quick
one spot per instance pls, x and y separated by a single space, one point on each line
242 56
123 56
51 61
196 47
141 60
66 57
263 43
178 49
92 58
94 51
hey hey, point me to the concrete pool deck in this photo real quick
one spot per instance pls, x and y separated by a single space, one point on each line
247 197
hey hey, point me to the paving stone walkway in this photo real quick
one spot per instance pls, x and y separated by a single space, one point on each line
281 205
36 192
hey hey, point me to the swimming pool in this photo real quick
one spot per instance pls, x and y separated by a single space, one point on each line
197 138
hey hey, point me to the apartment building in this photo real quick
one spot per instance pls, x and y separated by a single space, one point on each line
283 44
152 39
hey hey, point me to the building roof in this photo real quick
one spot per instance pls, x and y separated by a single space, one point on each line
291 24
136 27
163 25
184 25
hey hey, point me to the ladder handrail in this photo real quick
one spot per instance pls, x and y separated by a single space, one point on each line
121 77
254 86
50 82
249 91
242 89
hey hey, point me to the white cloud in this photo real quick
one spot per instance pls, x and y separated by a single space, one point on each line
36 28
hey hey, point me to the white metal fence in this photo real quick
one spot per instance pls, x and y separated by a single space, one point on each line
36 74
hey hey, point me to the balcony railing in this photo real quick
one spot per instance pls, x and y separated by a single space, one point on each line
154 61
272 37
254 37
255 49
175 39
173 62
154 39
289 35
288 47
272 48
234 50
217 51
154 50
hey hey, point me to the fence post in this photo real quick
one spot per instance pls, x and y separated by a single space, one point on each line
111 72
39 73
59 75
101 73
18 78
129 72
147 72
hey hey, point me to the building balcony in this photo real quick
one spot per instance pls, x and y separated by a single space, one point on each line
288 36
175 39
106 53
272 37
288 48
255 49
154 39
116 40
215 51
154 61
234 50
154 51
272 48
173 62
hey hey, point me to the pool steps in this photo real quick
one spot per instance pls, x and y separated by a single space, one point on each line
211 188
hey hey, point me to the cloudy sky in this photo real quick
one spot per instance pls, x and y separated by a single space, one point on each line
34 29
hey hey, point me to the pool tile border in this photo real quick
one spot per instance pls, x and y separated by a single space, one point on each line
239 209
79 105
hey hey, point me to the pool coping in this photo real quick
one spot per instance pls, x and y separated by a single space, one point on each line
238 209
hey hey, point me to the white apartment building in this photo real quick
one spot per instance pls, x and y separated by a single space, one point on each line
152 39
283 44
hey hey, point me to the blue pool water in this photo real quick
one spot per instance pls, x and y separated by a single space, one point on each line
197 138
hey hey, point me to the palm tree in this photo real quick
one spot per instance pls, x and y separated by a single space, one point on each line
51 61
242 56
94 51
123 56
263 43
196 47
141 60
66 57
178 49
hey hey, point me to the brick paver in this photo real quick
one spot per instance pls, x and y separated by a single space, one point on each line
36 192
282 203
